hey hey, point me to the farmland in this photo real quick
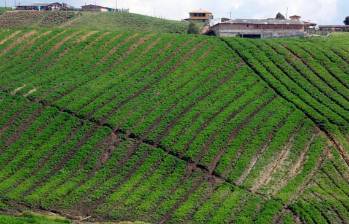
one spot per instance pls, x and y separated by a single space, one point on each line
89 21
169 128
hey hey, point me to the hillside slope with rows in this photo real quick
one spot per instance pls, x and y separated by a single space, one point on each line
108 21
173 128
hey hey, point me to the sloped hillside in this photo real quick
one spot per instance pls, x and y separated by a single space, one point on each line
34 19
126 22
168 129
90 21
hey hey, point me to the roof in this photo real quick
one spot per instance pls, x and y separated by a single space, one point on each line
200 11
264 21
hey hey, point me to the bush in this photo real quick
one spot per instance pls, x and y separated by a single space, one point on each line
193 28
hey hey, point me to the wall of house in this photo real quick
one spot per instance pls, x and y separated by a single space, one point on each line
264 31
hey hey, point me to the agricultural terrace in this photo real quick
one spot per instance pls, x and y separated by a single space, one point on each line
170 128
34 19
90 21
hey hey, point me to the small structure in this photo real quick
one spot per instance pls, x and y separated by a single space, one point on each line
96 8
56 6
259 28
334 28
200 16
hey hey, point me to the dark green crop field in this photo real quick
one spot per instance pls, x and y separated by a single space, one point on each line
168 128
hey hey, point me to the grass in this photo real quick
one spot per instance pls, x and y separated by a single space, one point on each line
31 218
170 128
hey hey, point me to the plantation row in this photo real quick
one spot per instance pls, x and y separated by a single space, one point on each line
56 161
313 77
168 128
25 19
326 199
190 96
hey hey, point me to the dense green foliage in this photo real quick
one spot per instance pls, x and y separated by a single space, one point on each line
3 9
173 128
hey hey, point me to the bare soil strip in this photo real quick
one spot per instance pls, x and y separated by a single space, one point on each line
272 167
296 167
9 37
17 41
260 152
236 131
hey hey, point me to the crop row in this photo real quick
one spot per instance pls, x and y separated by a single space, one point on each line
308 85
171 90
49 171
326 200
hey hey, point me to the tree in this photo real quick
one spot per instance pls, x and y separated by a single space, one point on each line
346 21
193 28
280 16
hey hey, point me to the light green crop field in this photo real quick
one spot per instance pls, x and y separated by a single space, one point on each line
169 128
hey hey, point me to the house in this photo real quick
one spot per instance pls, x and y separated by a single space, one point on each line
260 28
56 6
96 8
200 16
334 28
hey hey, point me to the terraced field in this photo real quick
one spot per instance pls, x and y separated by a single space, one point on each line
106 21
173 128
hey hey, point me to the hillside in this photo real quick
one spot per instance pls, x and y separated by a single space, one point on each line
170 128
90 21
3 10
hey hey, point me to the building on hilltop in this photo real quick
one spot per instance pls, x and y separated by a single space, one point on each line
259 28
96 8
200 16
262 28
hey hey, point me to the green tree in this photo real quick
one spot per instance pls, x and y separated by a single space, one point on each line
280 16
193 28
346 21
